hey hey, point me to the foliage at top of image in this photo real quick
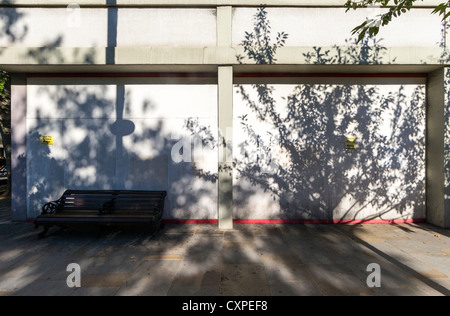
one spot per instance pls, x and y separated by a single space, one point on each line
395 8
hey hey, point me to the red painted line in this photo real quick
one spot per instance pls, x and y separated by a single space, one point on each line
191 221
329 221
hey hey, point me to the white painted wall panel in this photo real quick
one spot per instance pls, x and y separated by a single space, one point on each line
167 27
291 158
81 27
121 136
332 26
55 27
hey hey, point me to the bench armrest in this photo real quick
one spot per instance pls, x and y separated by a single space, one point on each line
51 207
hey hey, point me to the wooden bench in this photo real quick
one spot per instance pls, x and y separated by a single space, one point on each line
104 208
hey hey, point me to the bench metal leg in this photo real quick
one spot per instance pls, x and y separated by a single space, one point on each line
44 232
101 232
155 226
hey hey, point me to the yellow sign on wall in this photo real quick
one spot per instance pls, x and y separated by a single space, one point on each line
350 143
46 140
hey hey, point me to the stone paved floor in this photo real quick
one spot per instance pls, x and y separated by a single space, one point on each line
251 260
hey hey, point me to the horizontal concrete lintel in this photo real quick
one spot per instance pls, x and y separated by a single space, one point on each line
52 55
244 73
84 56
194 3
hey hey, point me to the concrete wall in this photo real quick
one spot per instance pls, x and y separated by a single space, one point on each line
120 132
291 157
199 35
18 147
76 27
196 27
120 135
323 27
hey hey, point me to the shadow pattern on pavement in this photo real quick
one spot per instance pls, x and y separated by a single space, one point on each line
250 260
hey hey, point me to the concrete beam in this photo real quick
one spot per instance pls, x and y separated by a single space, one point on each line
214 55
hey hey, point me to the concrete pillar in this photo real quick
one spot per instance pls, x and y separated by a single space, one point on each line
225 112
18 147
225 89
438 148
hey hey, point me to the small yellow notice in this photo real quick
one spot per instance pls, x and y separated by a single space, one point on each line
46 140
350 143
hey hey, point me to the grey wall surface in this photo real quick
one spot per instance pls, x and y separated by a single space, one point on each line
18 147
288 140
115 135
291 157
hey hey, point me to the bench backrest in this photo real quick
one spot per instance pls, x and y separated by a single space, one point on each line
123 200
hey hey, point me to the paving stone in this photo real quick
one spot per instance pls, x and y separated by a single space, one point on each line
176 229
240 252
208 245
251 259
18 276
244 280
432 274
294 289
244 229
114 263
260 230
398 291
203 290
151 278
95 291
209 230
57 268
274 245
197 270
170 243
239 235
285 268
333 279
164 257
442 286
438 261
104 280
314 252
45 288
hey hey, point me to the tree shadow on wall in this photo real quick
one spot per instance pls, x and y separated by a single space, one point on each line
94 149
99 145
290 153
10 23
444 59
